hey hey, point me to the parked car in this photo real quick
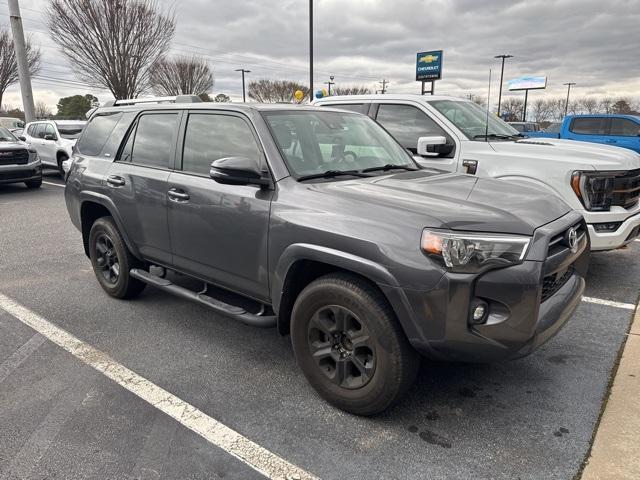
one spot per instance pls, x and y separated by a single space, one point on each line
526 127
327 226
452 135
19 162
617 130
54 140
17 132
11 122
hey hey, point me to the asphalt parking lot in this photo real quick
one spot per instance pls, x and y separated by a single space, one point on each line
59 418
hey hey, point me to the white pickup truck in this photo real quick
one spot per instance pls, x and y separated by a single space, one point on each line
454 135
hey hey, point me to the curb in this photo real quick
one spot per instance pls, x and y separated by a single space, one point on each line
615 453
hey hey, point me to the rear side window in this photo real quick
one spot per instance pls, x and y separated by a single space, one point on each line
97 133
589 126
624 127
407 124
154 141
211 137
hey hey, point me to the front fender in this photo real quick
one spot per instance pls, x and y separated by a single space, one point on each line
304 251
532 182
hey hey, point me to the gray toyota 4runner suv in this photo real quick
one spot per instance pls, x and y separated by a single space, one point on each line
321 224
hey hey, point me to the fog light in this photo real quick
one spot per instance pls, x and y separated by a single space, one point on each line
479 313
607 227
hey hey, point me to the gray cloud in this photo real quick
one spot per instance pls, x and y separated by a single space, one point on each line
591 42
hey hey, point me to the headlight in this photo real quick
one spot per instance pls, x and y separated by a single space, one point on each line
471 252
594 189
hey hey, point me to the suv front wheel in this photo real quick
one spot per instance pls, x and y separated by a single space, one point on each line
350 346
112 261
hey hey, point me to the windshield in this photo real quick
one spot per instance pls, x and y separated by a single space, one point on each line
313 142
471 120
70 131
6 135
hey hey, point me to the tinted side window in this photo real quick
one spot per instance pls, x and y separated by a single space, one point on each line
518 126
589 126
210 137
155 140
407 124
39 130
49 130
97 132
31 131
624 127
352 107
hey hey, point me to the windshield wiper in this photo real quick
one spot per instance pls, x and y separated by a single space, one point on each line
333 174
500 136
389 166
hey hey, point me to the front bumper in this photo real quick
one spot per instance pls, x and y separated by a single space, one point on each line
20 173
521 316
625 233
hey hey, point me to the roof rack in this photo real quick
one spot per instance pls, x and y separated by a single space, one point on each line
135 101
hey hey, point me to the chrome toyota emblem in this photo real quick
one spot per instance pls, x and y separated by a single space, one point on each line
571 239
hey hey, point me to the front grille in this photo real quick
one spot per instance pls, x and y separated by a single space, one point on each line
626 189
554 282
14 157
558 242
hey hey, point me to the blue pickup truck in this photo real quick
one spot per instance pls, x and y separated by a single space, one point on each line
616 130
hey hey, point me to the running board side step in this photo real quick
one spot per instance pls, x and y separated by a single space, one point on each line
262 321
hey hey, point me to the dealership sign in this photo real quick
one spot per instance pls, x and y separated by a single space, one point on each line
429 66
528 82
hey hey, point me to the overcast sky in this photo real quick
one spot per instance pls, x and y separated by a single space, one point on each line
591 42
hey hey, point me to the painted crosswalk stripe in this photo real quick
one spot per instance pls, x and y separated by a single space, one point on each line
260 459
609 303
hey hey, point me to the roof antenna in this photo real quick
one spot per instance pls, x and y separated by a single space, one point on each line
486 126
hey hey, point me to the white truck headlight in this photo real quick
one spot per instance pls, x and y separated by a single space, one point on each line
473 252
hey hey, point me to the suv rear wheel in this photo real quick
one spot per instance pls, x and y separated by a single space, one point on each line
61 159
112 261
350 346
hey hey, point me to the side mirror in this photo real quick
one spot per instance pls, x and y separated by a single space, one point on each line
430 146
50 137
238 171
22 138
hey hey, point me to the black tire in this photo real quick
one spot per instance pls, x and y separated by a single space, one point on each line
33 184
61 158
112 260
371 363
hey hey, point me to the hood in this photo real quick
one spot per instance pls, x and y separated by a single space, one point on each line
12 145
588 155
457 202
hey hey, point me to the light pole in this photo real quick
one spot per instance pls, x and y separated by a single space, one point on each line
21 59
244 92
329 83
503 57
311 50
566 105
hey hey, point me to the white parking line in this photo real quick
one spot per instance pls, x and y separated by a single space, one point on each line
250 453
609 303
54 184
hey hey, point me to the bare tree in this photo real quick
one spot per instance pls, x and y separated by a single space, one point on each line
43 110
275 91
606 105
111 43
588 105
352 90
512 109
541 110
181 76
9 65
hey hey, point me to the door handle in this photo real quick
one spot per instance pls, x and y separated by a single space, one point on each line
178 195
115 181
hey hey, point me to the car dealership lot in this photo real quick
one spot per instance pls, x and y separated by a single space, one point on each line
531 418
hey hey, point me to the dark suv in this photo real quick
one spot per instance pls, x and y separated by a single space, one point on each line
19 162
318 222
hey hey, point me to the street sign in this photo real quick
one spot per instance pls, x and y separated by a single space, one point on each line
528 82
429 66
